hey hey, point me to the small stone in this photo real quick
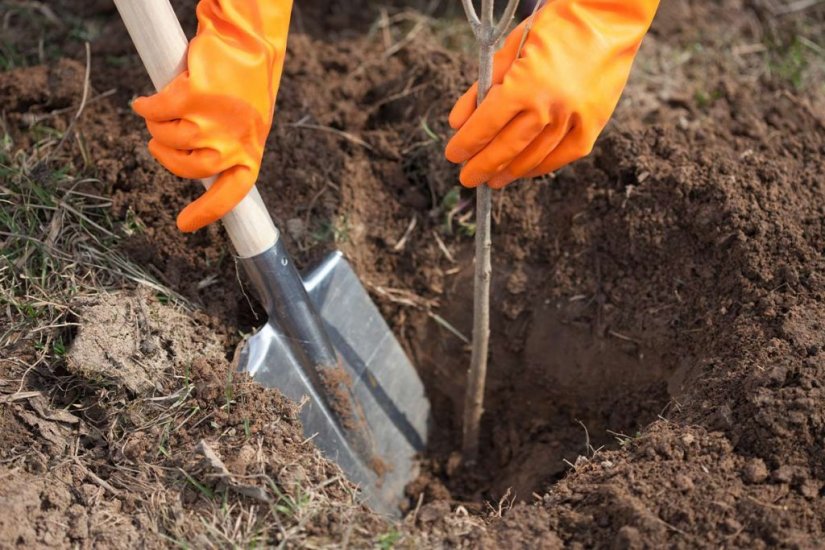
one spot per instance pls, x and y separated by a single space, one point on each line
240 464
628 538
723 418
433 511
293 477
453 464
789 275
688 438
683 483
809 489
296 228
783 474
517 282
731 525
778 374
79 525
89 493
755 471
602 520
148 347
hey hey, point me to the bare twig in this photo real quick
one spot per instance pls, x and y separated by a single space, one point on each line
444 323
224 476
410 299
18 396
401 44
528 26
403 240
44 10
794 7
385 28
92 476
303 124
506 19
472 16
474 397
83 99
443 247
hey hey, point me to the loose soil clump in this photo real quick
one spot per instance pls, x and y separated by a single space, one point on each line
656 369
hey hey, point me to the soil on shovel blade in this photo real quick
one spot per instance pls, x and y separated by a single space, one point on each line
657 365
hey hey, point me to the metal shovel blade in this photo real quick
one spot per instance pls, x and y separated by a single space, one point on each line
384 384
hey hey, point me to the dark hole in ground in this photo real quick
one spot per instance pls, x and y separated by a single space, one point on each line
559 386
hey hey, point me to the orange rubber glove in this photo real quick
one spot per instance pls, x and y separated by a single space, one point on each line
214 117
546 108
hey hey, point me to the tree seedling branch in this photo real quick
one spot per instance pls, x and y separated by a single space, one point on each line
487 33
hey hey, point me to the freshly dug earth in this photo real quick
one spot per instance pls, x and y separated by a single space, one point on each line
112 463
657 363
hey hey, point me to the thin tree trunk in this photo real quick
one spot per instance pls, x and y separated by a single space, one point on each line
487 33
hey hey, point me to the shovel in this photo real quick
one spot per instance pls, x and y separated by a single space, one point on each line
325 342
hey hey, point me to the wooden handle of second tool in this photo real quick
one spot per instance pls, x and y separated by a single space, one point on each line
161 44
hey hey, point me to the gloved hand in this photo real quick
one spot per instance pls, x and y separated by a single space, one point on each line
546 108
214 117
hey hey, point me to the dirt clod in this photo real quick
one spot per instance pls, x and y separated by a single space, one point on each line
134 342
755 471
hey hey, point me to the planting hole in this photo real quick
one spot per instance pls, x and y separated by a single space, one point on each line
561 385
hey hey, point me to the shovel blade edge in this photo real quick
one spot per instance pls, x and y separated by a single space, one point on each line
384 382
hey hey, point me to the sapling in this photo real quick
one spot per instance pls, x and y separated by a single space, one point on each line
487 33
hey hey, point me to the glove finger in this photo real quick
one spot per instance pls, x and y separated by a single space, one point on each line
192 164
464 107
574 146
508 52
532 155
167 104
497 109
502 61
508 144
227 191
177 134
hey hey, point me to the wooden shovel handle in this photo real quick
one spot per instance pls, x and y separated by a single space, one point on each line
161 44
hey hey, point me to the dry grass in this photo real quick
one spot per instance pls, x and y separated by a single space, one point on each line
57 240
395 28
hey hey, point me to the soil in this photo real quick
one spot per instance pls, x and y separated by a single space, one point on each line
93 461
657 350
